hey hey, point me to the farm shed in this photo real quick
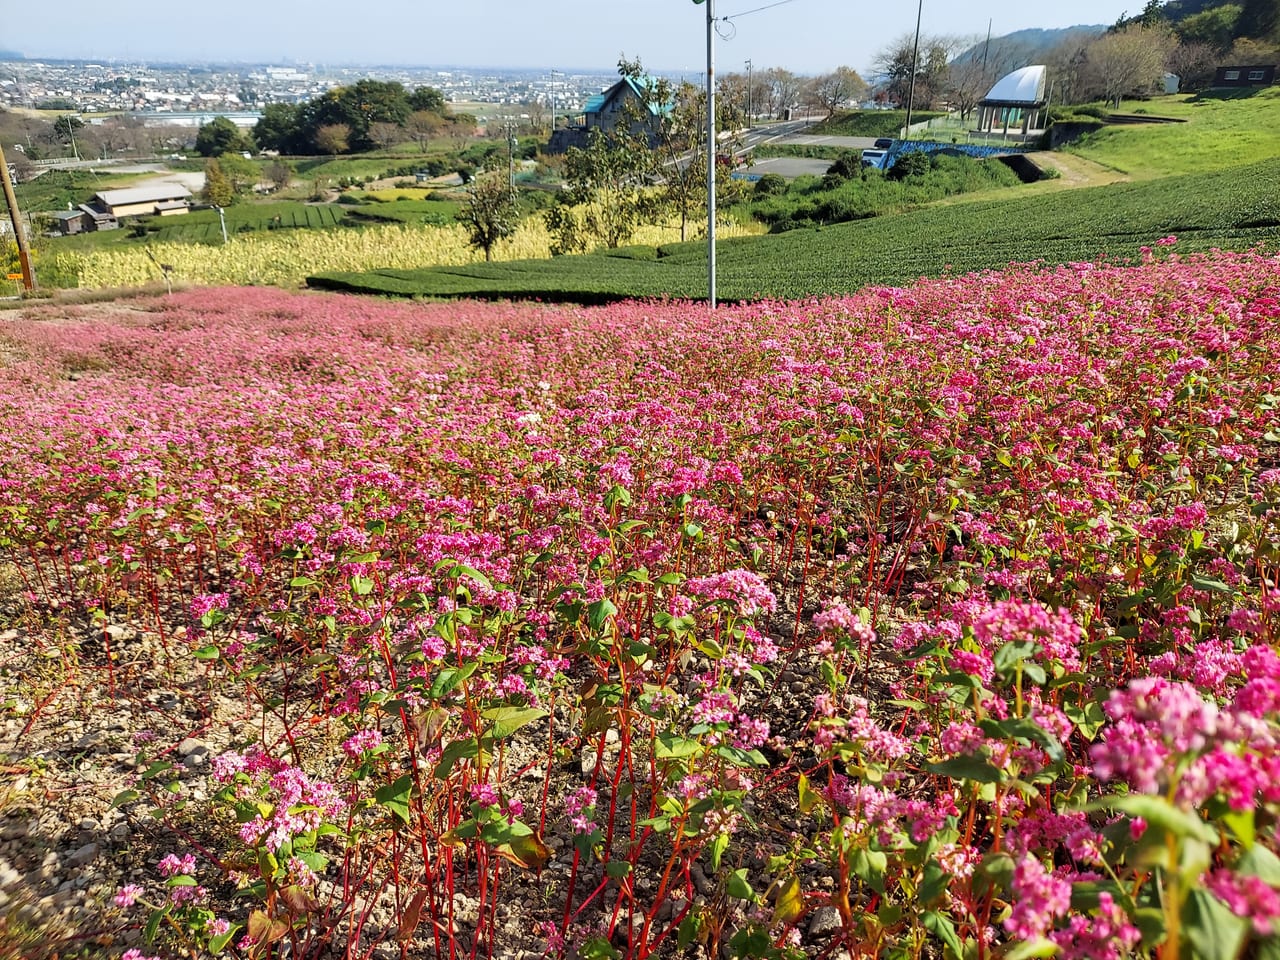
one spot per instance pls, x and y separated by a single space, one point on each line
1017 102
68 222
97 218
166 199
1257 75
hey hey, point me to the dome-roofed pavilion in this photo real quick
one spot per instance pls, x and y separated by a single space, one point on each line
1016 101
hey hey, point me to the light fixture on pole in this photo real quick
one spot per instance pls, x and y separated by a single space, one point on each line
711 152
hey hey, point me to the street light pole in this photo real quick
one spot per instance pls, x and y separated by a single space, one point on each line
750 112
915 54
711 152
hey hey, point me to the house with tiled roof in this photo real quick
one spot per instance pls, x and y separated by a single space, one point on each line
627 100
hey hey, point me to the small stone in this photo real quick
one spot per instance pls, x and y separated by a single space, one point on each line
191 746
84 855
824 922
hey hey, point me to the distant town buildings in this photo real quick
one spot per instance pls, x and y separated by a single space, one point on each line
191 95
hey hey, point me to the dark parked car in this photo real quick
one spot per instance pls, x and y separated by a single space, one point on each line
884 143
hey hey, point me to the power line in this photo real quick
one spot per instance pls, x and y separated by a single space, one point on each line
767 6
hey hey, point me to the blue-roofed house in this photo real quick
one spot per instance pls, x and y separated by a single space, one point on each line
628 98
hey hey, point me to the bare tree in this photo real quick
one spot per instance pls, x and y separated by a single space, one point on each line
893 67
1193 63
1128 61
422 125
333 138
783 88
386 134
831 91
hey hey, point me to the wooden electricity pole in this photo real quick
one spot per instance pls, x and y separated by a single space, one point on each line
24 255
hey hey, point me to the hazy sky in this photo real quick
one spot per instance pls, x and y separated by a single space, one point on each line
807 36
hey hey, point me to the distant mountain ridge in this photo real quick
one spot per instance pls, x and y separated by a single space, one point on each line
1024 47
11 55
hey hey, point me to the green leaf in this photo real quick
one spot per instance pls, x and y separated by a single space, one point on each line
1214 932
671 746
1242 826
869 867
718 846
967 768
301 582
455 751
450 678
219 943
617 869
1260 862
1030 950
1025 730
689 926
207 652
598 613
507 720
361 586
788 900
941 927
123 797
598 948
395 797
1088 717
808 797
1211 586
1159 812
738 886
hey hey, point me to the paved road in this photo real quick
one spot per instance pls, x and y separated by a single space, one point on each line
846 143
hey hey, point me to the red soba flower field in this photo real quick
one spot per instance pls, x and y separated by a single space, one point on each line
933 622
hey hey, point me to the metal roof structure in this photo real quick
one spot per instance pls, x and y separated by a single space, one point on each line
1022 88
120 198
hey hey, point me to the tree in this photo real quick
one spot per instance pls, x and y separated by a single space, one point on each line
1259 20
1127 61
831 91
782 90
422 125
241 172
218 190
490 212
893 65
1193 63
279 174
427 98
67 127
384 133
333 138
278 128
1215 27
220 136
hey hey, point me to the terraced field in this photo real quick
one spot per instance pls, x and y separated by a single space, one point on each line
1229 209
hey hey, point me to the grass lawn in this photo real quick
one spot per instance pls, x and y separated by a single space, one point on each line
869 123
53 190
1219 132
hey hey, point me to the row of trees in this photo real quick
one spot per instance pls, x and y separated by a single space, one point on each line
775 91
68 135
368 114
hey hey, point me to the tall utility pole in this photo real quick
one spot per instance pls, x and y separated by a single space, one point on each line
711 152
24 255
915 56
511 157
750 114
